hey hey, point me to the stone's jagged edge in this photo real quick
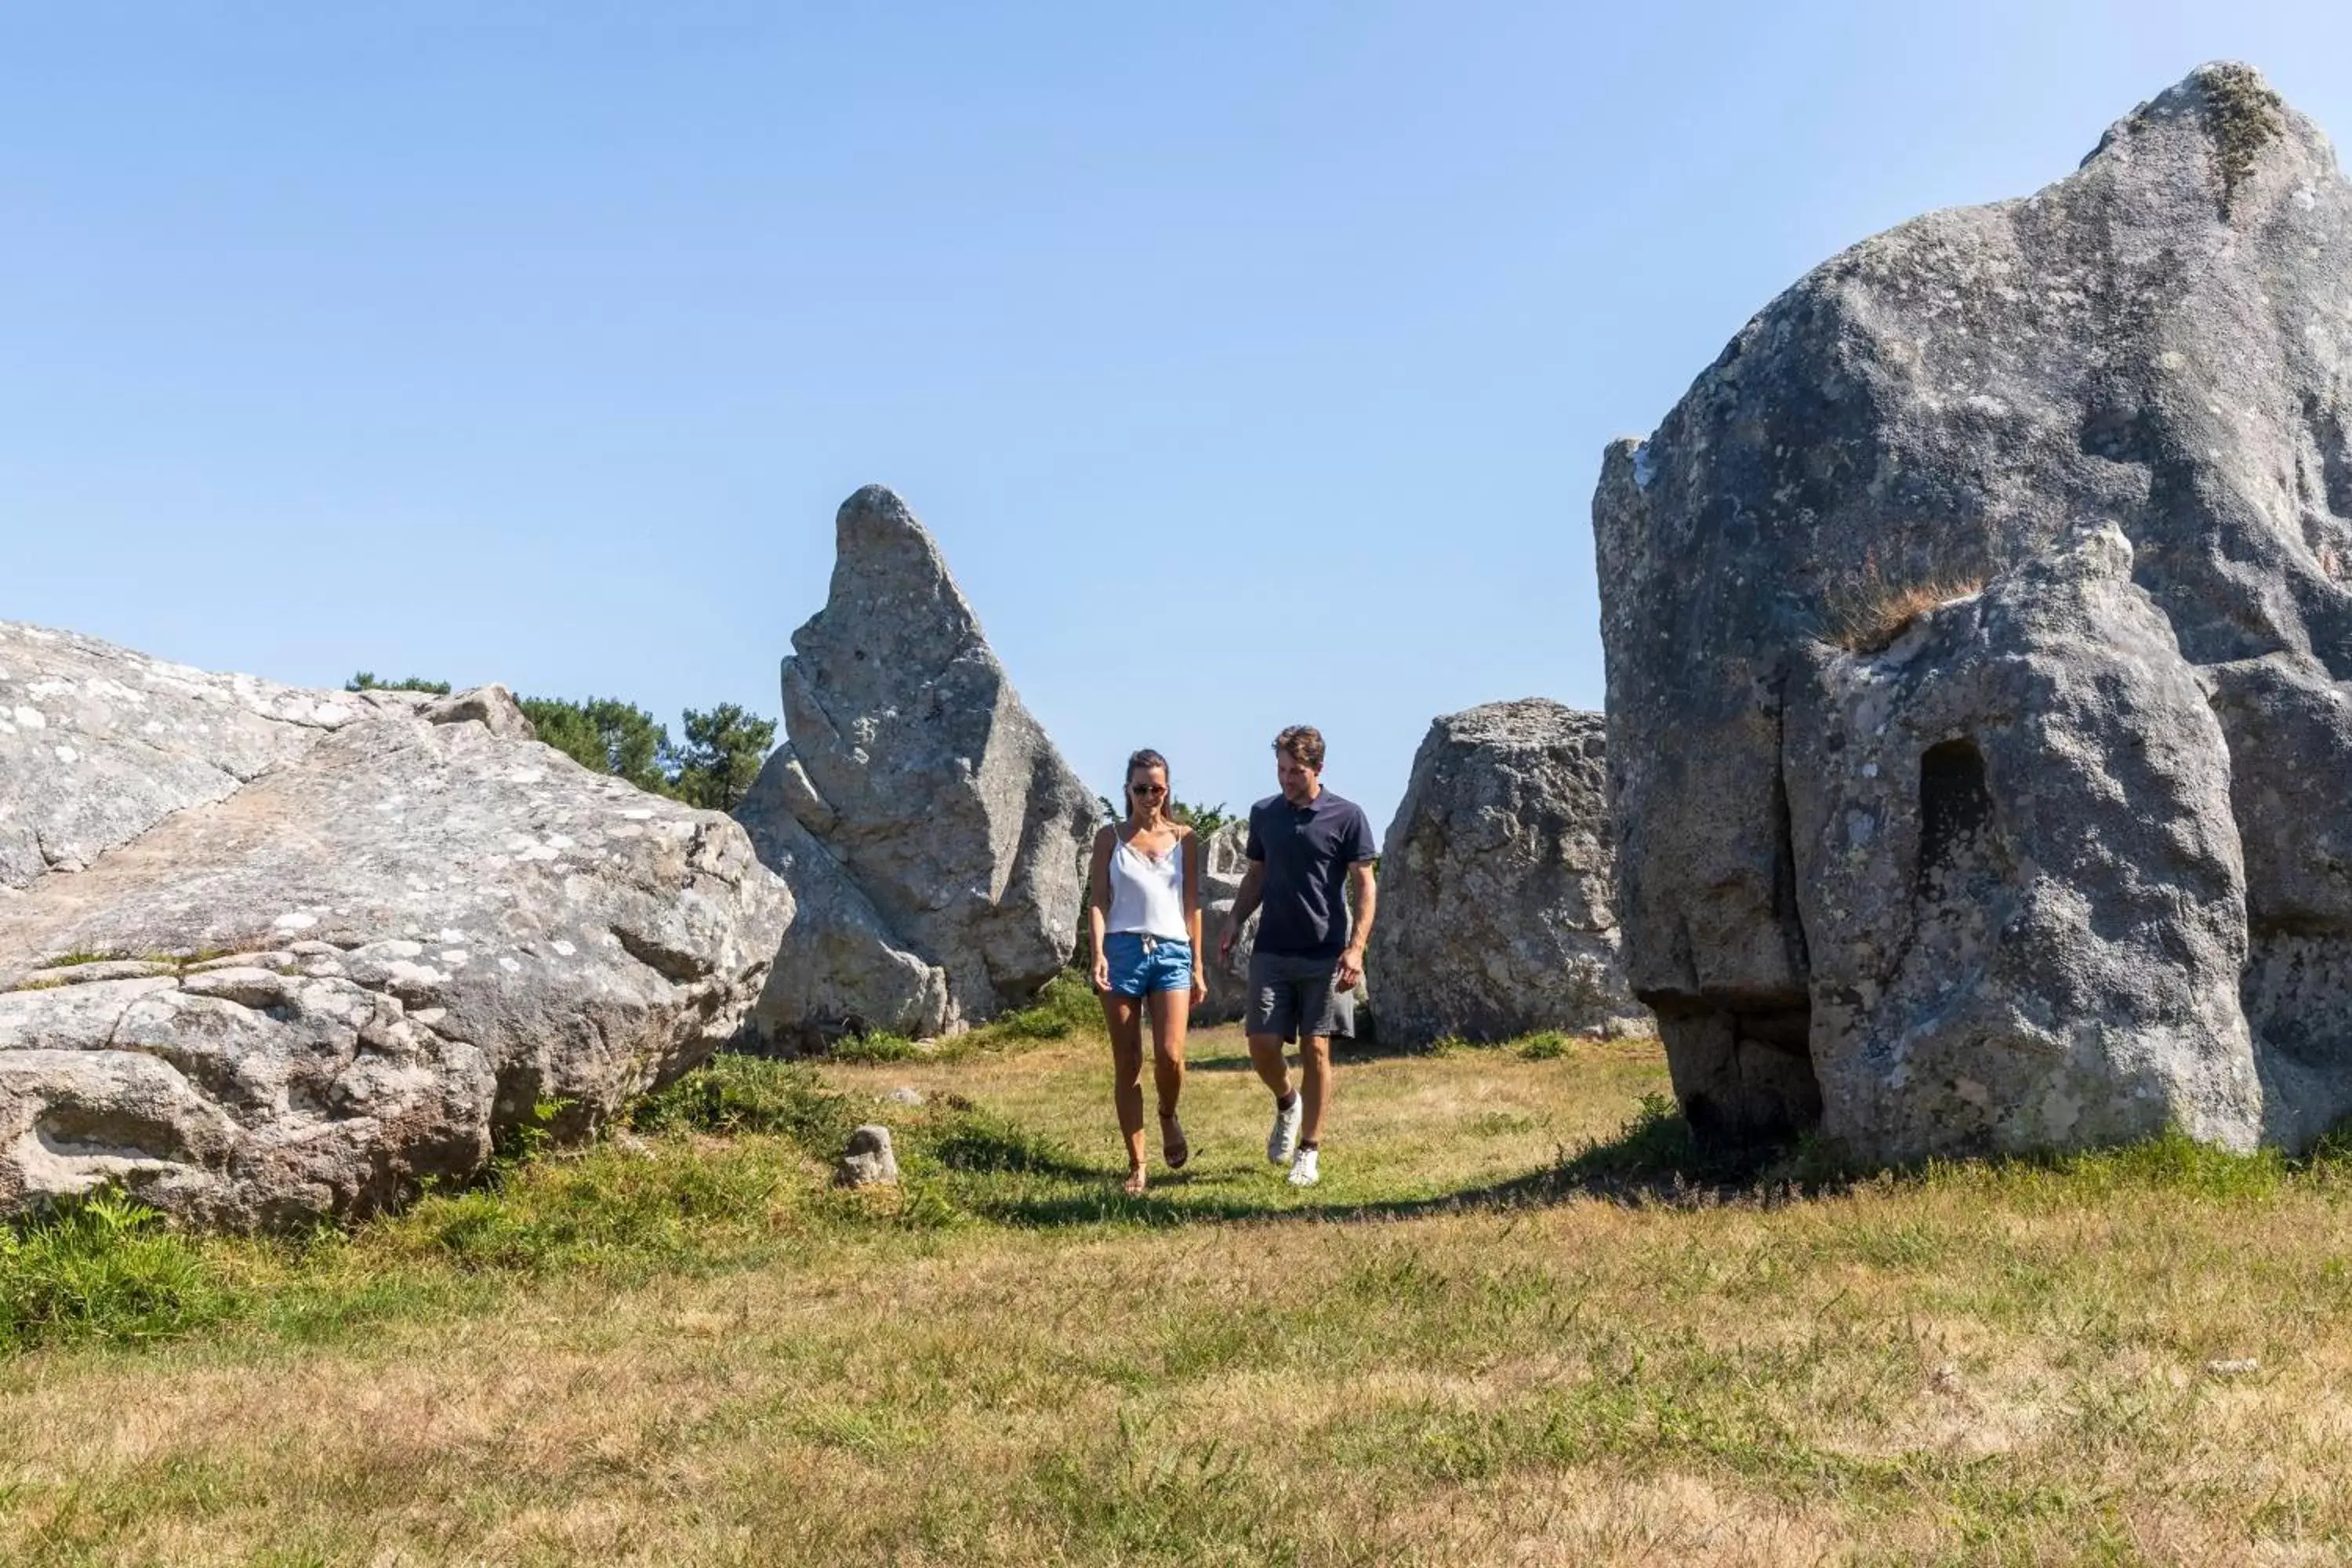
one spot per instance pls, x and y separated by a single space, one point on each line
2158 339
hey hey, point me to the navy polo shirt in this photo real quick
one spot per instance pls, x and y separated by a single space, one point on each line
1307 850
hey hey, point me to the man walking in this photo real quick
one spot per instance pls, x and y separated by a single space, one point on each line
1304 846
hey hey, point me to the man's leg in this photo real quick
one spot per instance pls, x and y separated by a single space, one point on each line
1273 1012
1318 1019
1265 1055
1315 1087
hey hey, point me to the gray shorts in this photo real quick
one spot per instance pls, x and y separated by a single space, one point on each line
1294 996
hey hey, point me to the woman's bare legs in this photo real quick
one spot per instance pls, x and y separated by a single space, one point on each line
1171 1014
1123 1015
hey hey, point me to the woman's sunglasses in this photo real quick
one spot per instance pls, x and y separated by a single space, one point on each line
1147 789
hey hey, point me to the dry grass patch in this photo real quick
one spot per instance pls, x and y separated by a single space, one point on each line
1866 615
1464 1349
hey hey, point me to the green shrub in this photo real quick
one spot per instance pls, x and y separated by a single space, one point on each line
1202 819
103 1267
876 1046
605 735
365 681
735 1094
722 753
1066 1004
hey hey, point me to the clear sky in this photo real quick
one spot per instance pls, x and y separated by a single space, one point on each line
1252 361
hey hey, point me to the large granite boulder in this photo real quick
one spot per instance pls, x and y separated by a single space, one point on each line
299 993
946 833
1979 638
1496 915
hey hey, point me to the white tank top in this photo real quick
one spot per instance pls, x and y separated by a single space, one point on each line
1147 896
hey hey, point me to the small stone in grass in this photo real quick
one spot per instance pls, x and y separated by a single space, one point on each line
868 1161
903 1095
2234 1366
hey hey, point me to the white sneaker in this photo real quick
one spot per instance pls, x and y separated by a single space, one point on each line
1285 1136
1303 1172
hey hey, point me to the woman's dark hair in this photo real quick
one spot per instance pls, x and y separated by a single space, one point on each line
1146 758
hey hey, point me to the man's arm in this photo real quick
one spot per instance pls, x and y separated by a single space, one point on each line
1246 902
1364 890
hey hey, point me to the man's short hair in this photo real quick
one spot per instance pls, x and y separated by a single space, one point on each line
1305 744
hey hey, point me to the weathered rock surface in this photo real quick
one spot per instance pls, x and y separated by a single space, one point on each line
934 835
98 743
868 1161
2045 961
841 969
2053 864
423 929
1496 915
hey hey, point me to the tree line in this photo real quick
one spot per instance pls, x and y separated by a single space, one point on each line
711 766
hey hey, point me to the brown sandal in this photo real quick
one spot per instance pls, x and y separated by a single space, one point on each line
1135 1182
1176 1149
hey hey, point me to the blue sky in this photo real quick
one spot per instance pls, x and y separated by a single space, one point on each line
1252 361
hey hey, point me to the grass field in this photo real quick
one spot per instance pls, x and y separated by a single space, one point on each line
1504 1330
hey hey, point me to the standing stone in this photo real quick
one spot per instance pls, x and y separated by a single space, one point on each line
840 969
1494 915
1979 645
2024 934
957 831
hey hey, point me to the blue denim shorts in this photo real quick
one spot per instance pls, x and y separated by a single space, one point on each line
1139 963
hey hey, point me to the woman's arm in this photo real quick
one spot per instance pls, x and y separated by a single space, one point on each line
1191 843
1098 902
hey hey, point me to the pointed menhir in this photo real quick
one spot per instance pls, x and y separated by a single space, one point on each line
932 834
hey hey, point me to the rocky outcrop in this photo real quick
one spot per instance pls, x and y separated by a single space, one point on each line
1495 914
1979 645
347 956
936 838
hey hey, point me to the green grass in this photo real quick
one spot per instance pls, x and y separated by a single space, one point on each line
1065 1005
1524 1318
104 1269
1547 1046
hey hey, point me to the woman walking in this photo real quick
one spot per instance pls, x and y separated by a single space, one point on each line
1144 910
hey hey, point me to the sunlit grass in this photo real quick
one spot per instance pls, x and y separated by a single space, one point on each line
1525 1321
